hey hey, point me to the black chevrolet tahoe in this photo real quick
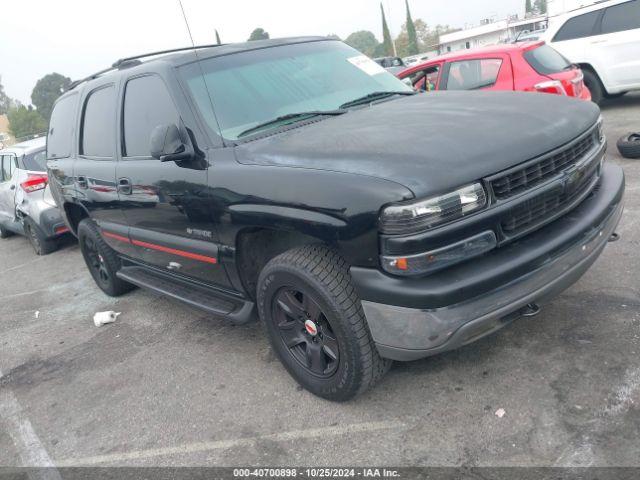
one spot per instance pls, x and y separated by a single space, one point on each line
297 181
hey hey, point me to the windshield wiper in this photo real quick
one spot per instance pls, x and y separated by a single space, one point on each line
290 118
370 97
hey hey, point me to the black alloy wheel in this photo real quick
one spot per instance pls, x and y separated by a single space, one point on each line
306 332
96 263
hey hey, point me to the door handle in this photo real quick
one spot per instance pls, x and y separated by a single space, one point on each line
82 182
124 186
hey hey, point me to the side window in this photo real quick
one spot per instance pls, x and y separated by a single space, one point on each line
473 74
578 27
35 161
98 123
426 80
147 104
7 167
619 18
61 126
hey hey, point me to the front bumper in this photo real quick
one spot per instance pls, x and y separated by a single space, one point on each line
411 319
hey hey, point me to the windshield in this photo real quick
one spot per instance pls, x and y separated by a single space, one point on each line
254 87
546 60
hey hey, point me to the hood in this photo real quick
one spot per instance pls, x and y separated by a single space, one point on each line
431 142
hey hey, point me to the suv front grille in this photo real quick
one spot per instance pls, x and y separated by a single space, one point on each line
527 177
542 208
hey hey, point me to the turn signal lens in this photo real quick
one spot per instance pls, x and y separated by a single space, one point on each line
429 262
424 214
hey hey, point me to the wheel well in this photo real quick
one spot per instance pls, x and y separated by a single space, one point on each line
75 213
587 66
255 247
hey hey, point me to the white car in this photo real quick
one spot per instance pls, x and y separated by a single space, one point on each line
604 39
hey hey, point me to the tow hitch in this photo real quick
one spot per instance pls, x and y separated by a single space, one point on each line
530 310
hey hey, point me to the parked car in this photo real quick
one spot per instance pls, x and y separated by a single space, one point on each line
26 205
604 40
391 64
363 222
527 67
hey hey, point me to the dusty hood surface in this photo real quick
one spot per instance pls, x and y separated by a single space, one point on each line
430 142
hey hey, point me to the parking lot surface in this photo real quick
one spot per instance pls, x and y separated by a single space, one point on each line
168 385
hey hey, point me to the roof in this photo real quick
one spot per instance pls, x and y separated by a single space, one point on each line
489 50
184 55
28 146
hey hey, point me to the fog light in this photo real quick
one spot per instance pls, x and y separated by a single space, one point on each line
434 260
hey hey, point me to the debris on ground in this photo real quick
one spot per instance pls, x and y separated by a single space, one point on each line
37 314
500 412
102 318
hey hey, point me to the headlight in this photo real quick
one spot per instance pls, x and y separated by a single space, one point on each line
601 135
424 214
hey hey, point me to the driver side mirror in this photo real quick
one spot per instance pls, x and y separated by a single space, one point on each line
167 144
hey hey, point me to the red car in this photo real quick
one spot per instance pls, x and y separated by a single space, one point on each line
527 67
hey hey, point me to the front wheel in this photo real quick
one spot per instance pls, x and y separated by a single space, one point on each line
102 261
316 324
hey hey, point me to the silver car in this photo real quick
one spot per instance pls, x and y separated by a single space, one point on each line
26 205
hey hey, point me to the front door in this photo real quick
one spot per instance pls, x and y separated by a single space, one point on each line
7 189
166 204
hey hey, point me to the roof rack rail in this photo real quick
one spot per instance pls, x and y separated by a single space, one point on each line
128 62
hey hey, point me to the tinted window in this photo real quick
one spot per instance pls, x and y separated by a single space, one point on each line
473 74
61 127
36 161
618 18
546 60
578 27
98 126
7 167
147 104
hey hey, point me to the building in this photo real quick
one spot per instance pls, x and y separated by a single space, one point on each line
556 7
490 32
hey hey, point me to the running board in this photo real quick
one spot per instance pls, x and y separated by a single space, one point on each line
237 310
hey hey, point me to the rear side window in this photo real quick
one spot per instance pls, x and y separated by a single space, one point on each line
473 74
578 27
619 18
61 127
98 123
546 60
147 104
8 164
35 161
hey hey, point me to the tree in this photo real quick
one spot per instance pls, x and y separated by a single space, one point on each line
5 101
527 7
412 38
47 91
541 6
363 41
258 34
25 121
387 43
218 38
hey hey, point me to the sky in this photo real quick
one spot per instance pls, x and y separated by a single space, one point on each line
79 37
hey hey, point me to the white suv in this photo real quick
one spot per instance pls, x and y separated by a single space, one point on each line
604 39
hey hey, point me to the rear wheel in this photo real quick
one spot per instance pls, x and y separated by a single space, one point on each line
102 261
4 233
39 241
316 324
594 85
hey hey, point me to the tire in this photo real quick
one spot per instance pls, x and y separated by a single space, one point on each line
102 261
39 241
4 233
594 85
629 145
339 361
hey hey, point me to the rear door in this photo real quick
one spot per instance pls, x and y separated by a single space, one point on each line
478 73
7 188
618 46
166 204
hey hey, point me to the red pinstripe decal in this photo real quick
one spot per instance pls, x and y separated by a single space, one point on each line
173 251
116 237
160 248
